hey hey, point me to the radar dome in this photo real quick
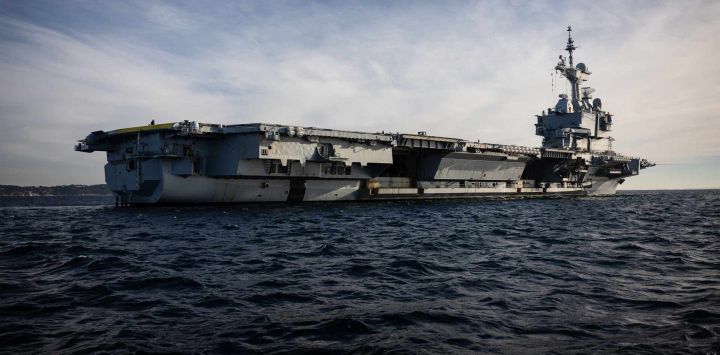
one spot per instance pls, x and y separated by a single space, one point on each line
583 68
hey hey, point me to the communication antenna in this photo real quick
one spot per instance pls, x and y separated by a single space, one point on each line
552 86
570 45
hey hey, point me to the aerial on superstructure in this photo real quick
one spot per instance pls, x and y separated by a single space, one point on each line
193 162
578 123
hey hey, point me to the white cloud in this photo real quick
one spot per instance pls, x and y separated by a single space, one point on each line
478 71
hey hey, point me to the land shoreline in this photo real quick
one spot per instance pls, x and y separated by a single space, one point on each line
60 190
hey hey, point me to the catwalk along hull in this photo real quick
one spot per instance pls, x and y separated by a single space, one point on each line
191 162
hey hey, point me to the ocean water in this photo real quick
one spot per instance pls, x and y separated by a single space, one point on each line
635 273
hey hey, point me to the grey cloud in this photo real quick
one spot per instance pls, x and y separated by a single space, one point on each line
473 70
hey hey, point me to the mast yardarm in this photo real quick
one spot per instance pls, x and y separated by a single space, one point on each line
570 45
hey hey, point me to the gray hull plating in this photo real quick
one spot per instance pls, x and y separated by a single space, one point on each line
602 187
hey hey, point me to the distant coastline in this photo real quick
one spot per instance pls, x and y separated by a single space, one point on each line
61 190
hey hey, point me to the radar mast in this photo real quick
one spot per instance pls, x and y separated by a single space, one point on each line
576 75
570 45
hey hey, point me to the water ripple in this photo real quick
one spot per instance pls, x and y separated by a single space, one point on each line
634 273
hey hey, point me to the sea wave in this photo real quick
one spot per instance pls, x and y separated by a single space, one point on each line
634 273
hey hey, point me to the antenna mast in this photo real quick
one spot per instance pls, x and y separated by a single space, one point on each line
570 45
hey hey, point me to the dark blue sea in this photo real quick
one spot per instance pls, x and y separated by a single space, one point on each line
635 273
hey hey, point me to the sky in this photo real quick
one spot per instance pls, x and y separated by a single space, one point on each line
478 70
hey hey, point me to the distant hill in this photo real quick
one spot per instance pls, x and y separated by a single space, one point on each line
62 190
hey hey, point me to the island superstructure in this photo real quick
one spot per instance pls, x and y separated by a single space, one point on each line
192 162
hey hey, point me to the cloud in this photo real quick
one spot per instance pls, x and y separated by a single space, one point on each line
472 70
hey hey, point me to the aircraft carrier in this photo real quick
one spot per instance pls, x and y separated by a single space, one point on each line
192 162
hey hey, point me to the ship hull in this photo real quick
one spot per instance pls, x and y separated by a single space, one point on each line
172 189
203 190
604 186
190 163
